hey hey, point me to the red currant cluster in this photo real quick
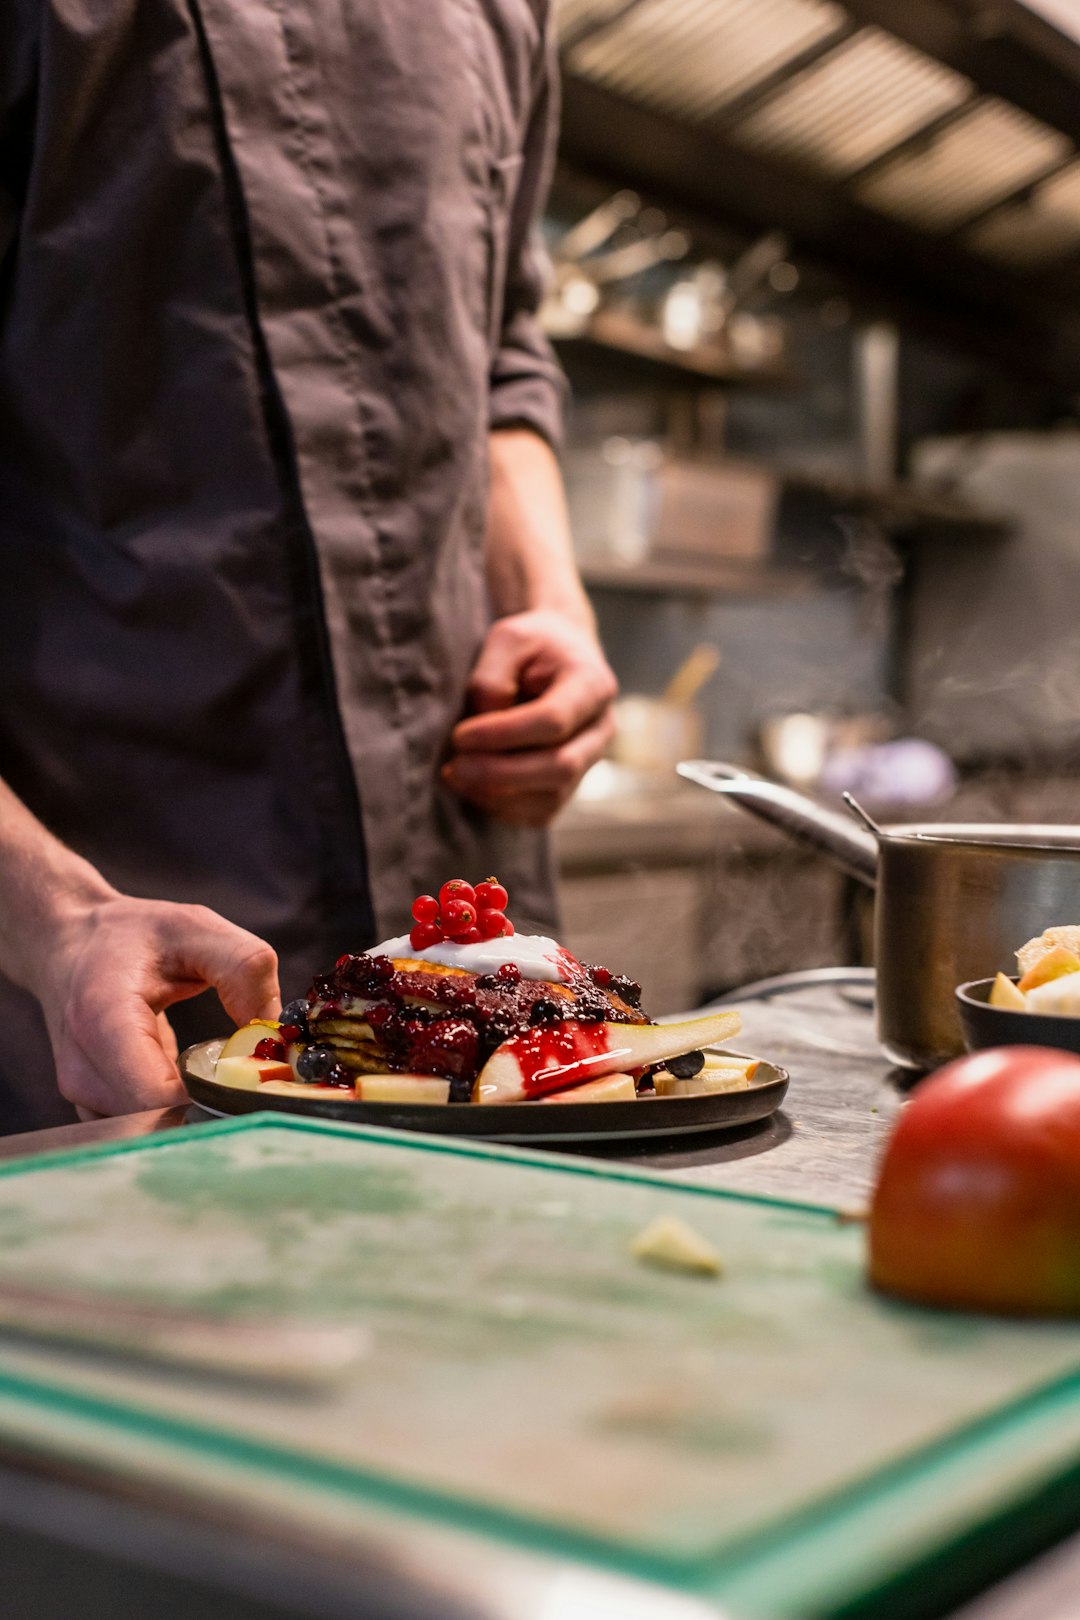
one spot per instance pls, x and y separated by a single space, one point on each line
461 914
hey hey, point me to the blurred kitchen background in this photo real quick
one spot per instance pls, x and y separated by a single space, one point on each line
817 289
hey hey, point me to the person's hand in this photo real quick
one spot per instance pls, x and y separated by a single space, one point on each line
113 971
542 696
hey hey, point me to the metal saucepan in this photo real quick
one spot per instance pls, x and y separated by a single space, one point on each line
954 900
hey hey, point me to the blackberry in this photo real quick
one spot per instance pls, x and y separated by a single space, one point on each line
588 1011
498 1030
316 1064
627 990
544 1011
686 1066
486 981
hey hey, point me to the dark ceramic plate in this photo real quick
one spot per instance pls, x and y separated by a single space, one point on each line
985 1026
513 1122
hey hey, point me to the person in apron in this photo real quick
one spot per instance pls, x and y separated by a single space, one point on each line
289 626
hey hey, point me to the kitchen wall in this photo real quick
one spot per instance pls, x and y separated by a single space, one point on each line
825 650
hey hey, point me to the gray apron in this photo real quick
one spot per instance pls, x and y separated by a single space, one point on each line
267 281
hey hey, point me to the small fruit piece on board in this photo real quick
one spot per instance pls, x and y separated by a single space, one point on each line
552 1057
243 1041
1003 993
611 1088
670 1243
1053 965
402 1088
977 1204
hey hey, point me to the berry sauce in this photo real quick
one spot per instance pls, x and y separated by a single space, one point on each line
449 1022
553 1058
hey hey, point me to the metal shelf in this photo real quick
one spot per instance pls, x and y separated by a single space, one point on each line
613 333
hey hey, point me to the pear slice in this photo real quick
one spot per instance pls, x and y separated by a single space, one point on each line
610 1088
553 1057
243 1041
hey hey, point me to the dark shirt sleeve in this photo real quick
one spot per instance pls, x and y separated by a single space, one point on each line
528 388
18 51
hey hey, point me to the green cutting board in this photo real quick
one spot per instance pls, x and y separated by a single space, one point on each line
778 1438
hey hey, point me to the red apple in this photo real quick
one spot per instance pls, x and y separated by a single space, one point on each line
978 1199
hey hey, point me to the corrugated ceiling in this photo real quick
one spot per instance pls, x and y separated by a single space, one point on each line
982 157
898 131
691 57
859 101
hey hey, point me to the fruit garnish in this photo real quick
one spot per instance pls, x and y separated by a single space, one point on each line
456 889
1003 993
490 923
402 1088
243 1041
456 916
460 914
552 1057
609 1088
491 895
1054 965
268 1047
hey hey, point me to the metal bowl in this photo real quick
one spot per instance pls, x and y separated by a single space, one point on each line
986 1026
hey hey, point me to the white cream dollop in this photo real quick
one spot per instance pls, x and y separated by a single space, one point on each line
535 955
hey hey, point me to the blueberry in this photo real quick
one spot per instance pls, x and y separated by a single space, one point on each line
486 981
543 1011
461 1089
316 1064
296 1016
686 1066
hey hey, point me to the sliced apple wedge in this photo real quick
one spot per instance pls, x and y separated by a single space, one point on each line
243 1041
611 1088
553 1057
250 1073
402 1088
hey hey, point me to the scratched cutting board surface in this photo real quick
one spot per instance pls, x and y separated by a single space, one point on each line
528 1378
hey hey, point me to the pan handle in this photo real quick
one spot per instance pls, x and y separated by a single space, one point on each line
853 849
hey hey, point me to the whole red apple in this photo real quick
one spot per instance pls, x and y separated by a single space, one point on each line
978 1198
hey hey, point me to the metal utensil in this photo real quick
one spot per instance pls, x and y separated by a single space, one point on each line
262 1348
954 900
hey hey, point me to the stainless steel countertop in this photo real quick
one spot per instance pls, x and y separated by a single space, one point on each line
821 1147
